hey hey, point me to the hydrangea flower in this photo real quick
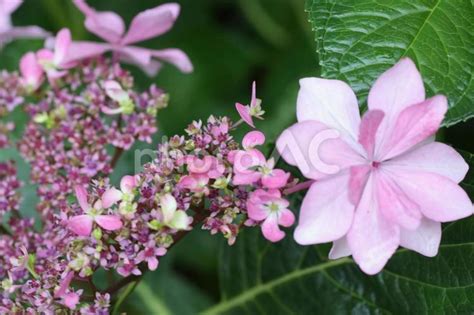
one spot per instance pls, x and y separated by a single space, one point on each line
269 207
382 181
54 62
145 25
82 224
254 109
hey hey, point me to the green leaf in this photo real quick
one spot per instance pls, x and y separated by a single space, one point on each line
285 278
359 39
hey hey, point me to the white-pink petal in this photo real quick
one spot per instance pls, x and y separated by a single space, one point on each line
440 199
331 102
61 46
270 229
110 197
252 139
109 222
128 183
424 240
286 218
81 224
326 212
415 124
340 248
176 57
434 157
372 238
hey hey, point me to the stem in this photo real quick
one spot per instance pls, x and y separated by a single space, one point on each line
298 187
116 157
237 124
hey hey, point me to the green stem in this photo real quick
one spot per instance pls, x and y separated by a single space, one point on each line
124 295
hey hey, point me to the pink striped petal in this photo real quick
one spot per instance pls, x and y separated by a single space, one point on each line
110 197
372 238
368 130
81 224
357 181
253 139
151 23
424 240
107 25
326 213
109 222
394 204
244 112
81 195
434 157
440 199
330 102
271 230
414 124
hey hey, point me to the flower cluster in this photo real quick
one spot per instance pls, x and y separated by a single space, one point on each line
9 185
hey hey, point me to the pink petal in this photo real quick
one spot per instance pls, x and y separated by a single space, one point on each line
316 150
424 240
110 197
71 300
244 112
394 204
7 7
368 130
82 50
253 100
414 124
64 284
31 70
81 224
434 157
176 57
152 263
107 25
63 41
253 139
25 32
277 179
286 218
128 183
246 178
246 161
330 102
135 55
111 111
372 239
44 55
256 210
326 213
340 248
396 89
109 222
358 178
151 23
440 199
81 195
270 229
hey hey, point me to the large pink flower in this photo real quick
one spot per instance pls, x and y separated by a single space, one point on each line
383 182
145 25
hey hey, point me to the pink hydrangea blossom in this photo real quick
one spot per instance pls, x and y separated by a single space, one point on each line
393 184
8 32
54 62
82 224
145 25
251 166
254 109
269 207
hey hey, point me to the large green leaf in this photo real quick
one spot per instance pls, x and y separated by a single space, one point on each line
359 39
262 278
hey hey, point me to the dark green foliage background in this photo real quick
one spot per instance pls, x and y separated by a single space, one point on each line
232 43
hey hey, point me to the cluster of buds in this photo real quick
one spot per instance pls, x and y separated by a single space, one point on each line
9 185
